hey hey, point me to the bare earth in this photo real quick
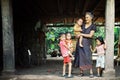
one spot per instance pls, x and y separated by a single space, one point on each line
52 70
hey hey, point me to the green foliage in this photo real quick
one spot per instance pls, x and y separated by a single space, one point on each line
50 36
117 37
100 31
52 39
116 30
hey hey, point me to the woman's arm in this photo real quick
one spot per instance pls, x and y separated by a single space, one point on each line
90 35
93 50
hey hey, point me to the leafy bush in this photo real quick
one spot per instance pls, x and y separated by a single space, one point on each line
52 39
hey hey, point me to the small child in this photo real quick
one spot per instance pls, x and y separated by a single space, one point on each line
78 30
100 48
67 60
69 44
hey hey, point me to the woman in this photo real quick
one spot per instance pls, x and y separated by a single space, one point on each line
83 54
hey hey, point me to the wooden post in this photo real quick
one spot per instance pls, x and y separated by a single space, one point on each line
8 38
109 59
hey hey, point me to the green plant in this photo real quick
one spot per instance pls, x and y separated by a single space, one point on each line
52 37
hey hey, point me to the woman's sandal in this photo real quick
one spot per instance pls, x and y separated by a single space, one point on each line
81 74
64 75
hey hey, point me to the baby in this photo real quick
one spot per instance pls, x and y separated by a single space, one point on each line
78 30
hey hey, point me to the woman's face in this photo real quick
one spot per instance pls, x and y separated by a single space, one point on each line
88 18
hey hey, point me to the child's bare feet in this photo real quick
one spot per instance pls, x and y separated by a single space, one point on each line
81 45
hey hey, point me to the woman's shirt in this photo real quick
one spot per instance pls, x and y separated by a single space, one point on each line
87 41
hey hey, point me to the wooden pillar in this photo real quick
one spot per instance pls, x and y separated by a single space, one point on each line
8 38
109 25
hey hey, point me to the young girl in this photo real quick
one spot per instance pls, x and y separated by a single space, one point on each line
78 29
66 56
69 44
100 48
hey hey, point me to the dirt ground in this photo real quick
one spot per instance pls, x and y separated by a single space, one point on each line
52 70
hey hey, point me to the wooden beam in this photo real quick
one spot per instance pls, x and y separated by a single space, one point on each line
99 3
79 4
117 10
76 7
39 7
85 6
60 8
96 8
95 19
101 14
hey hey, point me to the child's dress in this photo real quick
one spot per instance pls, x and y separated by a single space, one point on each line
100 62
64 52
70 45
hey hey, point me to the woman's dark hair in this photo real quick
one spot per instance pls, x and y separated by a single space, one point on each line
100 39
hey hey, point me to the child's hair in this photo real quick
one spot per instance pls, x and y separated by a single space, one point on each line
79 19
61 34
68 33
100 39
